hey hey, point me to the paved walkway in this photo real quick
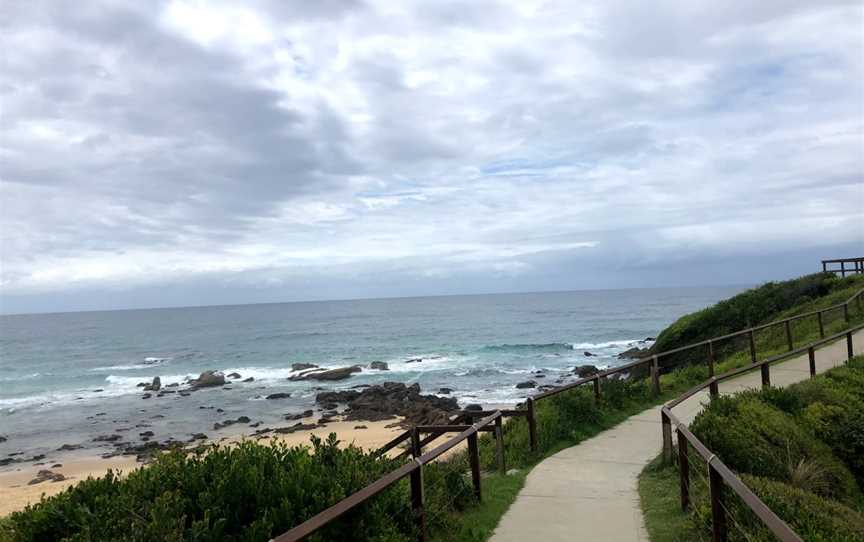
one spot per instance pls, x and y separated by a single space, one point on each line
589 492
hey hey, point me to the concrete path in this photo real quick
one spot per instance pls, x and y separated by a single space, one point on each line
589 492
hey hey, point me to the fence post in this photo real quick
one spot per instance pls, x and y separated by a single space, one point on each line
417 503
416 449
766 375
849 351
712 359
718 515
821 325
499 444
532 424
811 354
858 297
474 456
596 390
667 437
752 347
655 375
684 470
789 342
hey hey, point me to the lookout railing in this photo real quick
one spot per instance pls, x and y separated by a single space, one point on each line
839 266
720 475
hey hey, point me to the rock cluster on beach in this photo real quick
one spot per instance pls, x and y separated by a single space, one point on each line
389 400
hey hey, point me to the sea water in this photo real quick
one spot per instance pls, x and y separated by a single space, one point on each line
67 377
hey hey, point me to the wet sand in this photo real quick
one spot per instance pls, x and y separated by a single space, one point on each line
15 493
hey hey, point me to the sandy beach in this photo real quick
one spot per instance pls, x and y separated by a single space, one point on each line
16 493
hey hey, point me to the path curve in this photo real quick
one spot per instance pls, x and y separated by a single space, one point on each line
590 491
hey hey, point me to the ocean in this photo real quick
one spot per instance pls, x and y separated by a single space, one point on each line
68 377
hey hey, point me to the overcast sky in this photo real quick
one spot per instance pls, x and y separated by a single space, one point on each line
184 152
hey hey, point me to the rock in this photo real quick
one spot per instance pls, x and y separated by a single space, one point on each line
473 407
68 447
587 354
56 465
108 438
3 439
98 390
226 423
649 339
294 428
634 353
141 384
156 385
233 375
360 427
7 461
208 379
250 379
391 399
146 434
526 384
414 360
45 475
278 396
303 366
445 391
146 396
334 374
256 424
304 414
198 436
379 366
174 385
584 371
243 419
539 376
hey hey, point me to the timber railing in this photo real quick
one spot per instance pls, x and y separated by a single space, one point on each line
857 266
492 421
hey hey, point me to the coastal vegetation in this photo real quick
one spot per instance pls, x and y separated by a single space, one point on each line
799 449
254 492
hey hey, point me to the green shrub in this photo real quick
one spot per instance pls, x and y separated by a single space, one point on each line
755 437
248 492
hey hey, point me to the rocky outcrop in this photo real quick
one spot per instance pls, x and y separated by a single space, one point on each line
299 416
525 385
303 366
587 354
278 396
233 376
156 385
584 371
379 366
635 353
208 379
389 400
445 391
46 475
332 374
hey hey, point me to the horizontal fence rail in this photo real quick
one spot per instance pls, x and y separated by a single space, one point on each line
492 421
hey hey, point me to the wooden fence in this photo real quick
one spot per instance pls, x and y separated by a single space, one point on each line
857 266
492 421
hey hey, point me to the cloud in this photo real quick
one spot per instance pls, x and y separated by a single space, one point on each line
264 142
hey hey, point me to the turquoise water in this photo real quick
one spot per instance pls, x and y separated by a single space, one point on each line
67 377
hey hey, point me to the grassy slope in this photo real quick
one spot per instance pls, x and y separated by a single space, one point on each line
586 420
659 492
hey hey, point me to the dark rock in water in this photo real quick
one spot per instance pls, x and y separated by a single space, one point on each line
360 427
526 384
56 465
69 447
587 354
7 461
38 457
335 374
141 384
174 385
304 414
473 407
226 423
250 379
146 434
584 371
414 360
391 399
539 376
379 365
156 385
233 375
146 396
294 428
184 394
44 476
278 396
445 391
107 438
208 379
3 439
256 424
303 366
219 410
634 353
243 419
98 390
227 388
649 339
198 436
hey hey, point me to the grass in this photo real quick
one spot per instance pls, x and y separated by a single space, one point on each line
661 505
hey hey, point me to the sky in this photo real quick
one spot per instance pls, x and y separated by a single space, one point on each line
170 153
